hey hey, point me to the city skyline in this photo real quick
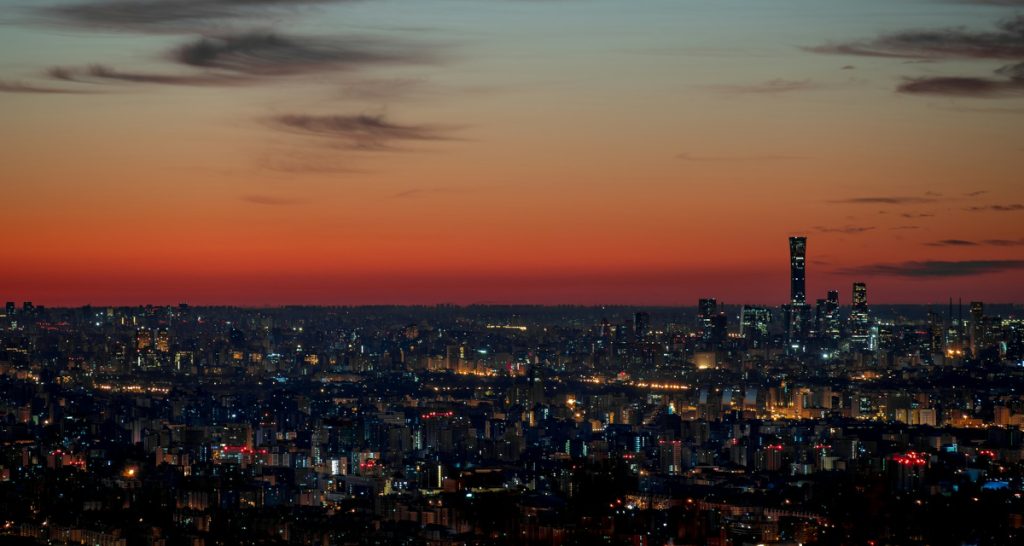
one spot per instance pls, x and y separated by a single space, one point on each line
796 309
332 152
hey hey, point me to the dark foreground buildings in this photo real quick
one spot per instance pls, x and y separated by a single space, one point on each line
514 425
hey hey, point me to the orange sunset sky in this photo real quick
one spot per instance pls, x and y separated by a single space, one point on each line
514 151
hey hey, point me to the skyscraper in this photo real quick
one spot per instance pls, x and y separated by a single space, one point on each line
860 318
860 297
641 325
797 270
707 308
754 323
833 327
797 312
977 316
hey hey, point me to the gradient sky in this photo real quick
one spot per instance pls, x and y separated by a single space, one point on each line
518 151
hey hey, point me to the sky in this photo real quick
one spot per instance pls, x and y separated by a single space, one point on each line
267 152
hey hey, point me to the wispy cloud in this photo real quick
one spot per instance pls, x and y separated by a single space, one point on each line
984 242
101 74
1005 42
360 132
268 54
768 87
1012 207
936 269
952 242
21 87
887 200
995 2
846 230
1004 242
164 15
970 86
917 215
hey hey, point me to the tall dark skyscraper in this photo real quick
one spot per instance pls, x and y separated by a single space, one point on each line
860 318
707 309
797 312
641 325
798 270
833 329
977 316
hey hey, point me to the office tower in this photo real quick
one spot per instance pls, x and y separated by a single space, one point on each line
826 319
641 325
143 339
163 341
706 308
820 312
754 323
833 326
798 270
718 329
977 317
11 309
797 312
860 318
936 333
860 297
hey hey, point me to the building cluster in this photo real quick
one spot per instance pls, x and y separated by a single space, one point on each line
445 425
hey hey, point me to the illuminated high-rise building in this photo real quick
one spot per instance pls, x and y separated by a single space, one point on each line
706 309
833 328
713 323
860 318
797 312
977 316
798 270
163 341
143 339
936 333
860 297
754 324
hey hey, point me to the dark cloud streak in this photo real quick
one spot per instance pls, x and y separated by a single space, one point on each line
100 74
847 230
936 269
1012 207
358 132
969 86
21 87
770 87
1006 42
886 200
166 15
269 54
952 242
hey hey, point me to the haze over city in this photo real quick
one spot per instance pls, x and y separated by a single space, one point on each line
512 272
587 152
